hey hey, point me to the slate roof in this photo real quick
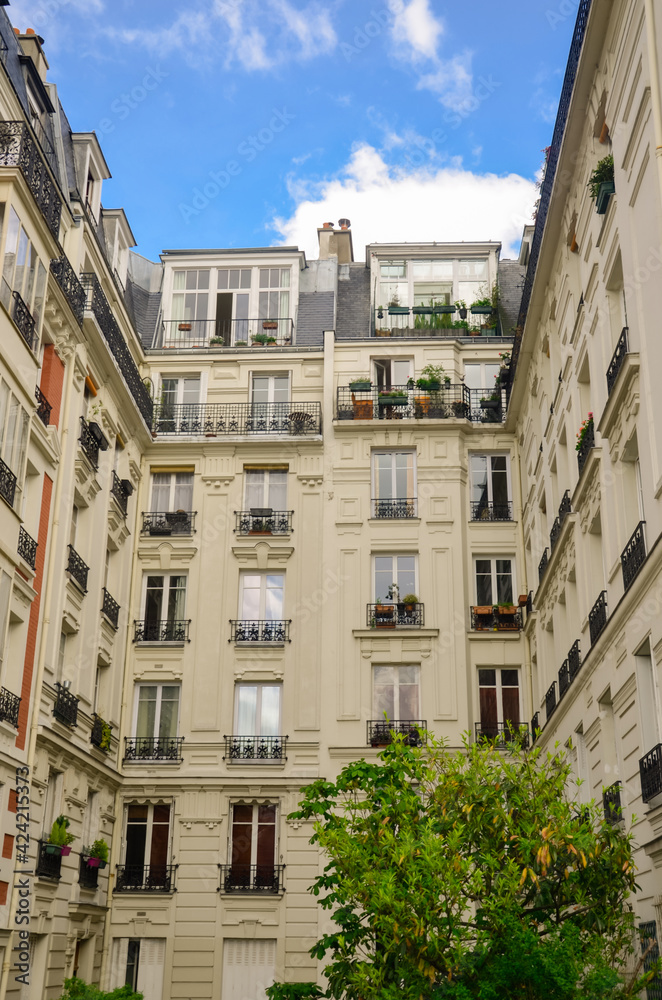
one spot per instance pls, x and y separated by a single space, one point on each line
353 316
511 282
316 314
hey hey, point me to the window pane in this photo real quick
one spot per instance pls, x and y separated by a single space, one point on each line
383 695
510 678
169 711
504 581
277 489
260 389
203 279
270 716
191 279
384 476
176 598
178 280
154 599
409 707
478 467
285 277
183 491
472 269
246 710
499 480
20 261
146 710
483 582
39 294
222 280
406 575
383 577
161 491
10 248
245 281
250 598
274 599
264 277
255 488
404 476
473 377
281 388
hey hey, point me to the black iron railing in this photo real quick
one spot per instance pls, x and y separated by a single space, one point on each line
574 660
550 701
7 484
68 281
393 509
633 556
650 772
100 733
49 861
618 357
535 726
88 875
89 443
156 748
255 748
529 603
220 419
145 878
564 678
98 303
502 734
404 402
23 318
161 631
650 954
263 521
483 511
565 508
395 615
611 803
189 334
542 565
597 617
119 491
10 705
380 732
77 569
587 444
110 608
251 878
27 547
260 631
65 707
43 407
490 619
169 522
19 149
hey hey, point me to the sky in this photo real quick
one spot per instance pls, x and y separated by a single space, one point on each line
238 123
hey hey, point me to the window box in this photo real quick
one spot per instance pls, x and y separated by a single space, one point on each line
398 310
607 189
388 400
186 327
270 324
361 385
443 309
482 310
422 310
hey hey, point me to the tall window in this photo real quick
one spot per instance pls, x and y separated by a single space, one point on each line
22 270
172 491
179 390
253 839
190 295
499 701
232 304
261 596
472 280
165 603
393 286
257 709
157 710
433 282
14 422
147 843
274 298
395 691
394 488
494 581
398 570
266 488
490 488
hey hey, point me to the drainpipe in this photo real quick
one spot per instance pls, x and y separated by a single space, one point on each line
656 93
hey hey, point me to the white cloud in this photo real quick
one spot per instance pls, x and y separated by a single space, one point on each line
452 80
389 204
415 28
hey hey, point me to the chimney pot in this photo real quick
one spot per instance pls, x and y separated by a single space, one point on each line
17 31
344 223
327 225
30 31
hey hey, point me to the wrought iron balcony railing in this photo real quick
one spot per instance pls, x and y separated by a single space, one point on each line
118 490
43 407
542 565
564 679
255 749
263 521
161 631
481 510
588 442
49 863
89 443
7 484
597 617
145 878
618 357
154 748
10 705
260 879
394 509
233 419
97 302
23 319
100 733
574 660
395 615
192 334
88 876
27 547
565 508
260 631
611 803
503 734
550 701
496 619
399 402
65 708
110 608
650 772
19 149
169 522
77 569
380 732
633 556
535 726
68 281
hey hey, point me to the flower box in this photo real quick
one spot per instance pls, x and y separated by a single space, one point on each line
54 849
360 385
93 862
386 400
422 310
270 324
482 310
398 310
444 309
186 327
607 189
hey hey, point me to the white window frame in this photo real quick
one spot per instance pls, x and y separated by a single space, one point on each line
493 560
375 478
166 575
254 829
258 707
484 377
375 362
180 379
263 574
266 487
159 685
393 555
499 690
271 376
171 491
489 455
397 667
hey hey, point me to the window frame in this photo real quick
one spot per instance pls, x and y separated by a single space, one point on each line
498 687
489 455
166 575
254 831
377 598
263 574
258 706
376 496
172 486
266 487
493 573
271 376
149 826
159 685
396 667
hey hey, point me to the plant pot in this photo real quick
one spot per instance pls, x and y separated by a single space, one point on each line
482 310
422 310
269 325
421 407
393 401
185 327
604 194
360 386
102 864
463 313
93 863
54 849
434 386
363 409
398 310
66 850
490 404
444 309
382 333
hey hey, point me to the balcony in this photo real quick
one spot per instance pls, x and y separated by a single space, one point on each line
7 484
395 615
49 861
260 879
174 522
275 632
121 490
9 707
145 878
650 772
618 357
198 334
434 321
381 732
97 302
77 569
597 617
110 609
542 565
504 735
565 508
394 509
550 701
263 521
633 556
564 679
486 618
19 149
161 631
43 407
574 660
237 419
401 402
100 733
255 749
611 803
89 442
154 748
535 727
65 708
481 510
23 318
88 876
71 287
588 442
27 547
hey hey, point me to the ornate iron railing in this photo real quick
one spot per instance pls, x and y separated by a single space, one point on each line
23 319
263 521
175 522
119 492
650 772
574 660
145 878
68 281
588 443
618 357
529 603
260 631
542 565
550 701
395 615
502 734
535 726
100 733
406 402
43 407
49 862
483 511
487 619
98 303
110 608
183 334
380 732
10 705
220 419
565 508
633 556
88 876
153 748
7 484
564 678
611 803
650 954
77 568
19 149
251 878
65 708
597 617
161 631
89 443
394 509
255 748
27 547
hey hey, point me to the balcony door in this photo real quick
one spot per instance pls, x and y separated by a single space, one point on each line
394 489
396 694
165 605
232 305
490 487
253 844
257 710
261 596
499 693
398 570
147 844
494 581
156 712
390 372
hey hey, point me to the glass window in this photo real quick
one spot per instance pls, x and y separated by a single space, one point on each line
253 835
165 599
271 388
147 840
257 709
394 475
494 581
490 487
480 376
398 570
234 277
261 597
266 488
157 710
274 297
396 693
499 700
473 269
190 296
172 491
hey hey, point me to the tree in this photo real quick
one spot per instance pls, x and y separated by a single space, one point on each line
470 874
77 989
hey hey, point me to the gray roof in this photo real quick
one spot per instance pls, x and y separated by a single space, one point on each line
511 282
316 314
353 319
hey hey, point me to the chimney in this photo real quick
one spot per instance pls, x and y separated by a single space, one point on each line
31 43
336 242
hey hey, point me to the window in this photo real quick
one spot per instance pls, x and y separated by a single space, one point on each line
274 297
190 295
271 388
494 582
165 601
499 701
139 963
147 844
172 491
234 277
393 286
390 372
156 711
132 963
472 280
22 271
177 391
266 488
257 709
253 839
14 422
249 966
480 376
398 570
261 597
232 305
394 489
490 488
395 691
433 282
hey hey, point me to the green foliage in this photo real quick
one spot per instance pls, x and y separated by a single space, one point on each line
603 174
261 338
77 989
106 734
59 833
294 991
99 849
467 875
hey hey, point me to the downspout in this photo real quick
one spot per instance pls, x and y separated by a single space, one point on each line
656 92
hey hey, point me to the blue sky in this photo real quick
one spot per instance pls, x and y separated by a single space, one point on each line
250 122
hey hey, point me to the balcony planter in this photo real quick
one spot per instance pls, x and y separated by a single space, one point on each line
490 404
421 406
360 385
443 309
388 400
422 310
398 310
54 849
460 409
185 327
481 310
93 862
604 194
98 435
270 324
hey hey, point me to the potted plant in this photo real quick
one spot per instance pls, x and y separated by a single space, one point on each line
461 307
460 408
185 327
271 341
106 734
260 338
482 307
493 402
409 601
431 378
361 383
97 854
59 839
586 428
383 617
601 184
393 397
216 340
241 343
270 324
395 309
